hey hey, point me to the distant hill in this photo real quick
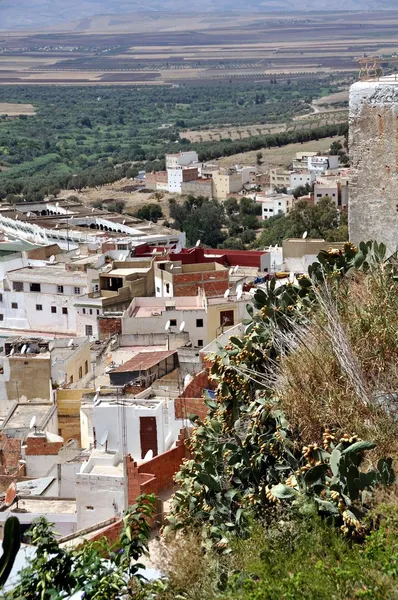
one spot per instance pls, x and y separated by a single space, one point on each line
44 14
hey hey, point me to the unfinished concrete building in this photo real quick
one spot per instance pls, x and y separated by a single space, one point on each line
373 204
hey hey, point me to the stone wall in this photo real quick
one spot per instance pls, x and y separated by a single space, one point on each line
373 137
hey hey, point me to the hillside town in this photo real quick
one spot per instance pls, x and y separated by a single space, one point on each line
153 383
108 325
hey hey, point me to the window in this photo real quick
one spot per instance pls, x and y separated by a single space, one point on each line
1 317
76 290
173 322
39 307
97 311
14 304
200 343
199 322
35 287
54 309
17 286
271 210
279 203
122 247
64 311
1 297
80 372
167 288
91 311
84 311
86 367
158 290
226 318
89 330
60 289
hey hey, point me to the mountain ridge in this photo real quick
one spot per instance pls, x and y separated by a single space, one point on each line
44 14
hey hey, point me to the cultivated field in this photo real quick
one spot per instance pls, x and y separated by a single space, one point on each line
276 157
196 48
14 110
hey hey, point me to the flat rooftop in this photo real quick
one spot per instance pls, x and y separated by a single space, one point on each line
48 274
24 412
44 506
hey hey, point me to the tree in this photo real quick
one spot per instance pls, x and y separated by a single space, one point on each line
233 244
149 212
231 206
259 157
200 218
100 569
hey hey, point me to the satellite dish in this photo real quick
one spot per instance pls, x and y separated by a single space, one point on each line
182 326
148 455
305 235
32 422
167 326
24 348
197 244
239 294
95 398
77 253
98 389
113 342
231 271
239 288
227 293
16 217
70 343
121 257
104 438
10 494
93 209
291 276
124 220
12 351
171 267
236 267
28 214
57 204
56 226
52 258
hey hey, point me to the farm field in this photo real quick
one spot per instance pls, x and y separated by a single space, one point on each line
277 157
13 109
205 48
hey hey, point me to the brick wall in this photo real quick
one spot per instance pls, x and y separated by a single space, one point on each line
10 454
112 532
191 400
41 446
213 282
108 326
157 474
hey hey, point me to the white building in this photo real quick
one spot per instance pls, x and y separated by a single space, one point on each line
274 204
181 159
301 178
321 164
42 299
